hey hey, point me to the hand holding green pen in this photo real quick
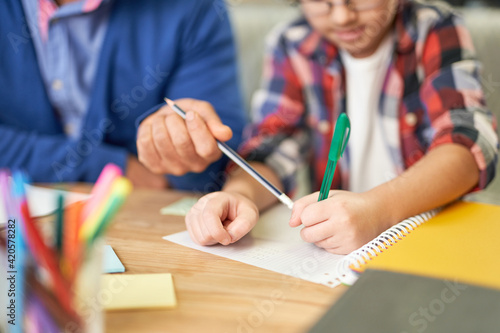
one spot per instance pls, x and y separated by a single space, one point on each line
337 148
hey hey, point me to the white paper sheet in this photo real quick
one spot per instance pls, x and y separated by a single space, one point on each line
275 246
43 201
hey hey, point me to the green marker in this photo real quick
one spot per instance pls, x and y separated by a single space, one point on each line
339 143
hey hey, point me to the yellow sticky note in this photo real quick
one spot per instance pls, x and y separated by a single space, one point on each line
137 291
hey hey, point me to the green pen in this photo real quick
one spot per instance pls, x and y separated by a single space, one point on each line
59 223
337 147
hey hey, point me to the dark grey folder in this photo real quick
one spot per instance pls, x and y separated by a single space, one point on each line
387 302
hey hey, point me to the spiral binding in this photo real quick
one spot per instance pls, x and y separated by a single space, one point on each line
388 238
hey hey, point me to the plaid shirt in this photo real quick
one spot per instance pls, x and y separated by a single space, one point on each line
431 96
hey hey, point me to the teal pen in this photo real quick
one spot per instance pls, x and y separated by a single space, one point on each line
59 226
337 148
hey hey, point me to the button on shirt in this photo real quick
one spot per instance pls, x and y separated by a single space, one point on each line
68 41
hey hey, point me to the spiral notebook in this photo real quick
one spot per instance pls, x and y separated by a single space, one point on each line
461 243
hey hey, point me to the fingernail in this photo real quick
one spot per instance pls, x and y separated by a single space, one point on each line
190 116
231 235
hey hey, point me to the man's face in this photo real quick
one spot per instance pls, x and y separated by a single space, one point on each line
358 32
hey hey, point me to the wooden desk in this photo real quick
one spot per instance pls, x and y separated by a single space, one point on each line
214 294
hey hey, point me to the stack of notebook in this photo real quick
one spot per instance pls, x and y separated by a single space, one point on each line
441 276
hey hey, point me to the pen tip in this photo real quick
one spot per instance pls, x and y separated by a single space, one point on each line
169 102
286 200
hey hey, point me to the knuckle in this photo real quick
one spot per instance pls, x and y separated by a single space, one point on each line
205 105
218 234
156 169
190 217
299 206
206 241
176 171
198 167
161 137
307 213
206 214
209 152
146 161
151 166
193 124
199 240
303 234
203 201
182 142
143 157
143 139
321 244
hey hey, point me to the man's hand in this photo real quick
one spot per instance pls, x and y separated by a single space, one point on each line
140 176
167 144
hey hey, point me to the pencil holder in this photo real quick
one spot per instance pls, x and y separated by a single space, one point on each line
88 295
53 265
37 305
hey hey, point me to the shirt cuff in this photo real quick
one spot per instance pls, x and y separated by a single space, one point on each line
139 120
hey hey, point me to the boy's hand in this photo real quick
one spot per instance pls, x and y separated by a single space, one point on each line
221 217
340 224
168 144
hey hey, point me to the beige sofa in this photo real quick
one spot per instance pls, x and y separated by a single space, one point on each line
252 22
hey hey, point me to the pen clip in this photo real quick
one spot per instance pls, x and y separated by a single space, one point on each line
340 137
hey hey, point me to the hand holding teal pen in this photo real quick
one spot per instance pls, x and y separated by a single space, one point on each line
339 143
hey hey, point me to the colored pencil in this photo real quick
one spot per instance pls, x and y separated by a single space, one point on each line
121 189
40 251
229 152
101 189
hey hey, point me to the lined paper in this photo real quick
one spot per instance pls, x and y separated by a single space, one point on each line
275 246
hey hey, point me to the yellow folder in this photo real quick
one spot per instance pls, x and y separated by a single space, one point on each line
461 243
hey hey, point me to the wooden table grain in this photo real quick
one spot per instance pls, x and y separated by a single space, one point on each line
214 294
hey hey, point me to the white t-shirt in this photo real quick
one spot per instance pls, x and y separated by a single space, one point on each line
370 163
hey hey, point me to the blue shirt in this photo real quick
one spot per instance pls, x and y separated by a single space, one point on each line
151 49
68 53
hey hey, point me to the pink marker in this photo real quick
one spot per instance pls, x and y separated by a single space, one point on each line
101 189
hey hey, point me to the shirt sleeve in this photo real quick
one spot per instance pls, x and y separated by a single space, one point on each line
452 96
278 136
206 69
55 158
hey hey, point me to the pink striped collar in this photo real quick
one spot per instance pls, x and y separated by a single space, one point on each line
47 8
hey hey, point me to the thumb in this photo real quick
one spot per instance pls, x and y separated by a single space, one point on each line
208 114
220 131
242 224
299 206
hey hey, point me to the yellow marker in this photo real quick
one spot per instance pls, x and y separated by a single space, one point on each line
120 189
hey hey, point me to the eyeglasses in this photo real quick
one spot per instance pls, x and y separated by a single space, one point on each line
324 7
